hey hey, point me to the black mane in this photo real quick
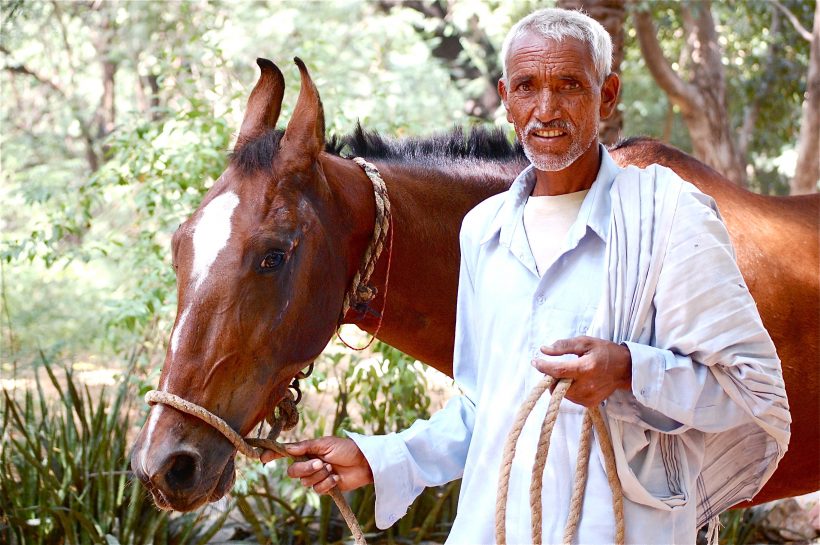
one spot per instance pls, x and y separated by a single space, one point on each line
479 143
482 143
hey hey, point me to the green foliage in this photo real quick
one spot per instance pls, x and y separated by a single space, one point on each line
741 526
764 63
64 471
378 391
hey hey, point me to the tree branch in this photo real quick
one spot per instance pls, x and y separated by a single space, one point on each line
58 15
467 54
807 168
804 33
85 130
22 69
685 95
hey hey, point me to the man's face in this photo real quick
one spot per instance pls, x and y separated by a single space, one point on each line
553 98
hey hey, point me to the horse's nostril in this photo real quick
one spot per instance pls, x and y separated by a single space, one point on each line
182 473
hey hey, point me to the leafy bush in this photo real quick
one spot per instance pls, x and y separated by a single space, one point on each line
64 474
379 391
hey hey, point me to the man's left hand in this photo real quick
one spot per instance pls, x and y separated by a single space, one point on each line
601 368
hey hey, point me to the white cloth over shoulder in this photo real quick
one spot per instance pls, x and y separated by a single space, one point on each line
659 268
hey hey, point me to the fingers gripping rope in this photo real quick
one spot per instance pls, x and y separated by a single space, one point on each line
592 418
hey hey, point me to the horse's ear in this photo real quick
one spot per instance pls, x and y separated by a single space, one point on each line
305 136
264 103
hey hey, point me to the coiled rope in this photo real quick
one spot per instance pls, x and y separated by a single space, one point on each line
363 292
592 418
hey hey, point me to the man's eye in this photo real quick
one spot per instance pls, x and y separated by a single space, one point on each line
572 85
525 87
272 260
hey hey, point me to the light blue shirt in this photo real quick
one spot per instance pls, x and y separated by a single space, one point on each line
506 311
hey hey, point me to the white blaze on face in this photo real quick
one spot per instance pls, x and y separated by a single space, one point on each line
178 330
211 234
152 423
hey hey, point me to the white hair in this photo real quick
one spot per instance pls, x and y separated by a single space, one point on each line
558 24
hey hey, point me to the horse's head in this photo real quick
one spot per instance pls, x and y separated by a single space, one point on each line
262 267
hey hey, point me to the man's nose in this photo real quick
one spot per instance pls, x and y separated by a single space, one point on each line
548 107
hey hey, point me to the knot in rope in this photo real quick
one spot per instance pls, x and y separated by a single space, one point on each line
592 418
285 416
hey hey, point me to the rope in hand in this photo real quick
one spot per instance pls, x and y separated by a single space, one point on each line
592 418
253 447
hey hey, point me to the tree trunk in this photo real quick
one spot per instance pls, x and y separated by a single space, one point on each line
106 110
807 170
612 15
701 99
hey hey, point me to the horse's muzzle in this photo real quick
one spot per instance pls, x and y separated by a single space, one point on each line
183 473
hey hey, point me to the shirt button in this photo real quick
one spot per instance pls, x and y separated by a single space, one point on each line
540 299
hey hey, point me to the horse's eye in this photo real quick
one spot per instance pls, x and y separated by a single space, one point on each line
272 260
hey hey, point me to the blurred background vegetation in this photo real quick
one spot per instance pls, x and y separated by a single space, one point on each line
116 117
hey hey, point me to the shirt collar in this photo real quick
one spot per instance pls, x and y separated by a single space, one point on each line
594 212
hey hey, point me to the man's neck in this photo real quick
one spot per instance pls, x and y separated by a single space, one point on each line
578 176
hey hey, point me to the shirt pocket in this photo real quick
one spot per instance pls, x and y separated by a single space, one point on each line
652 466
548 326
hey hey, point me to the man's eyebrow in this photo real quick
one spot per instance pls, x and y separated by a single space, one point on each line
521 78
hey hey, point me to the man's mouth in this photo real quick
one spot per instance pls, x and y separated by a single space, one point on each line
549 133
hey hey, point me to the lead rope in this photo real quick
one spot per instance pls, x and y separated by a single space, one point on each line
592 417
252 448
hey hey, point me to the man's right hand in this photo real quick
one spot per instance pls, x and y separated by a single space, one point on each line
334 461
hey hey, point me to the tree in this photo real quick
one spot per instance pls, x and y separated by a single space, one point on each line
807 169
736 86
701 98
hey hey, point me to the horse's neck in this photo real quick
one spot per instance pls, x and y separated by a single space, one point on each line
428 204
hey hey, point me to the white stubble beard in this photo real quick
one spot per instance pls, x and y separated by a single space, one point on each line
554 163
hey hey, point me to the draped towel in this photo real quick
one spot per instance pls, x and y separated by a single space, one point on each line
672 283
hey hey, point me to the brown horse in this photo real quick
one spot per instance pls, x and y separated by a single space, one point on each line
264 263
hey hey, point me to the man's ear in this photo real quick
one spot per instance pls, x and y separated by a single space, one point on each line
502 92
609 94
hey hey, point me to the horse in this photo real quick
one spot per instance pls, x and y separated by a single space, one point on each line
264 264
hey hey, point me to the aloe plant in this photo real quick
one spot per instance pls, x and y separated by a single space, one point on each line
64 474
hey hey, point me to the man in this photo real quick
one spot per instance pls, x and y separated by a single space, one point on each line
622 280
